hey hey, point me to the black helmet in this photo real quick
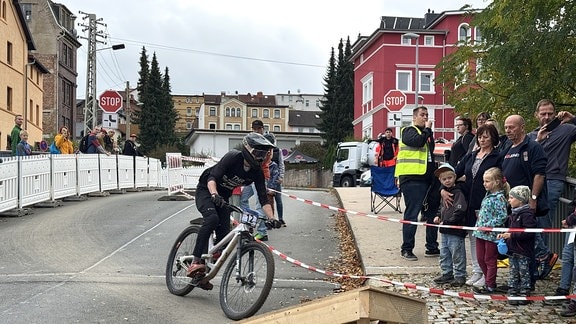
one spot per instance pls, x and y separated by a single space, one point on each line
270 137
255 147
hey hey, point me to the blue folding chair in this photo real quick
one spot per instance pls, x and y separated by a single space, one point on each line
383 191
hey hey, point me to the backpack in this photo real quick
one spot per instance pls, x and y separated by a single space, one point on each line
83 147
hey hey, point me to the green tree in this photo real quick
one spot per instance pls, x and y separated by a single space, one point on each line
329 114
526 55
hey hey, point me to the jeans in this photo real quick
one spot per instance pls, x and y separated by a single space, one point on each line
414 193
279 206
567 264
247 192
453 255
555 188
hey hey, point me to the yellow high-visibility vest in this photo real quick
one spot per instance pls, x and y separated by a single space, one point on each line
411 160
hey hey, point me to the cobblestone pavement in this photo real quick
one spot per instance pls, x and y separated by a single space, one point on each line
448 309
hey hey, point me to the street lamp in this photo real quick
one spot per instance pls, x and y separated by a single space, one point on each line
416 37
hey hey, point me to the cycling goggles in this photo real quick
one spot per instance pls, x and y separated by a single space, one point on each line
259 155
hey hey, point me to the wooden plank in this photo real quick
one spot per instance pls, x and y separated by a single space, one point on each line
356 306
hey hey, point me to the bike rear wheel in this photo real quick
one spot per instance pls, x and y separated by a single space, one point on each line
176 280
242 296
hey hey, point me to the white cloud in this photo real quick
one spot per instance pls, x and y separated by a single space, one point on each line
228 45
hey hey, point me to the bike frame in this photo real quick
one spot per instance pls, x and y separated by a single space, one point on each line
248 221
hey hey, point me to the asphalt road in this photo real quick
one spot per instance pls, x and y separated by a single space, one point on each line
102 261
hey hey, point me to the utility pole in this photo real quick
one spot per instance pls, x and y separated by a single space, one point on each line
127 109
90 106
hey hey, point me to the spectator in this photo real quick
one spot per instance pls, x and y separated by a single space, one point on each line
215 186
452 246
556 144
502 137
94 145
23 148
525 163
520 244
570 310
248 191
279 160
567 259
472 167
272 183
387 149
492 213
15 134
62 141
130 146
109 141
461 145
415 168
481 119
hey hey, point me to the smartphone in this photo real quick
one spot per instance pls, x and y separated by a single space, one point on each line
553 124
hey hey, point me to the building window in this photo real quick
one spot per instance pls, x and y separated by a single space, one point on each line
212 126
429 40
31 110
188 125
188 111
67 93
307 103
212 111
227 112
26 9
367 88
266 128
463 32
426 81
276 128
477 35
67 56
406 40
236 126
404 80
276 113
254 113
228 126
265 113
9 53
4 10
37 114
188 100
9 98
318 103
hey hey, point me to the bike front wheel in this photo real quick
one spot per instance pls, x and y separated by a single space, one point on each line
242 295
176 280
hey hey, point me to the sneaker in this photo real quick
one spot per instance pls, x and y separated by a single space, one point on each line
513 293
261 237
475 277
569 311
283 223
480 282
547 265
206 285
484 290
432 253
557 302
458 282
444 279
408 255
194 269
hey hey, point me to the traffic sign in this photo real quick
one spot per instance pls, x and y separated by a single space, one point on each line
394 100
394 119
110 101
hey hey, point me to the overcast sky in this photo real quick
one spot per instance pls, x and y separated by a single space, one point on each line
230 45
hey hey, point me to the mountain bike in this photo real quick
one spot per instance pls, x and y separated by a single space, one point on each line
247 278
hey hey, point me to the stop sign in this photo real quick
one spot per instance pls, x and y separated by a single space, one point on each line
110 101
394 100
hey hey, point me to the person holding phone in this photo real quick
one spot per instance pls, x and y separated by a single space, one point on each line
556 133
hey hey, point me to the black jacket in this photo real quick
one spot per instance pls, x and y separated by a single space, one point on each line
521 242
455 214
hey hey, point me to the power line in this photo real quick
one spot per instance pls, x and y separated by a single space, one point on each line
187 50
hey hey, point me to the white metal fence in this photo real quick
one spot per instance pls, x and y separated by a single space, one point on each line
28 180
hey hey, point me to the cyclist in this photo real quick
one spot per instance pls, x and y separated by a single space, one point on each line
215 186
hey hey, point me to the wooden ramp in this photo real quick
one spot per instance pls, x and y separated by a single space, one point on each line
363 305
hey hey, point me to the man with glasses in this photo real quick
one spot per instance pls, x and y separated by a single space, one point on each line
460 147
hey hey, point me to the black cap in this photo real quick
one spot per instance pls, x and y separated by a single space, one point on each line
257 124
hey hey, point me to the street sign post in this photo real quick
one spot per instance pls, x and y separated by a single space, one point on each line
110 101
394 100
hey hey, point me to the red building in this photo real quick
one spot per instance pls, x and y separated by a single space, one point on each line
386 60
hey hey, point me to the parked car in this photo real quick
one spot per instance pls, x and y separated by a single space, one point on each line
366 179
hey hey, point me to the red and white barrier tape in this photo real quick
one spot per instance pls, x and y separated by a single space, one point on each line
402 221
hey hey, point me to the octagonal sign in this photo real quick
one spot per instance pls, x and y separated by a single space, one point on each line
110 101
394 100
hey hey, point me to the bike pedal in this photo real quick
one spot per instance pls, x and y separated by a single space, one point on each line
205 285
